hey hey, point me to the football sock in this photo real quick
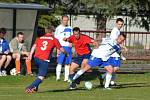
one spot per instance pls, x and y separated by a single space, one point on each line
78 74
108 79
103 75
28 64
66 72
71 76
36 83
17 62
58 71
113 76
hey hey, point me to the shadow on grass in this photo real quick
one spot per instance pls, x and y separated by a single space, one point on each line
63 90
129 85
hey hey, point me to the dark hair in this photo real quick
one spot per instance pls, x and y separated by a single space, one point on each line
123 34
76 29
119 19
64 16
20 33
3 30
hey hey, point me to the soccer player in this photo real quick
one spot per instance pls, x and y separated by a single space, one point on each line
63 31
5 58
19 51
114 35
43 47
102 57
82 47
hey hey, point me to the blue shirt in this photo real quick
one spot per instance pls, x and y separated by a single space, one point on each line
4 45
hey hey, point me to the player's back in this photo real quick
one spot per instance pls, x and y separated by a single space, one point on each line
44 46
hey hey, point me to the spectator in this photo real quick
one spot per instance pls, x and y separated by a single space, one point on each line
5 58
19 49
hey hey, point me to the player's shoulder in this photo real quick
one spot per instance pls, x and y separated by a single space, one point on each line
115 29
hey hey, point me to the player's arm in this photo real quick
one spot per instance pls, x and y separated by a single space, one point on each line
32 51
58 46
94 43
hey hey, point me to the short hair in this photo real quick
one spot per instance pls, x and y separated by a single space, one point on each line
50 28
119 19
20 33
64 16
76 29
3 30
123 34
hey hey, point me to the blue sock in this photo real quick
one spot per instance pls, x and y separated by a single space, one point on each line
71 76
36 83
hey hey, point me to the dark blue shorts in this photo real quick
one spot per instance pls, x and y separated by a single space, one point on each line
42 66
78 60
63 59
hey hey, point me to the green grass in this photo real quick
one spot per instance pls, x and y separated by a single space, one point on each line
132 87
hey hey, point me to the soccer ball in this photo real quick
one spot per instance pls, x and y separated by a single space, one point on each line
13 71
88 85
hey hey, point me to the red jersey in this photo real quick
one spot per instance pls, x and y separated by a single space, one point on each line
45 45
82 44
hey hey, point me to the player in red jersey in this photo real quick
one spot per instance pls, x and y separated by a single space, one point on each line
81 43
43 47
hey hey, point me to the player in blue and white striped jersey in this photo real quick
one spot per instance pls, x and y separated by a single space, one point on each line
63 31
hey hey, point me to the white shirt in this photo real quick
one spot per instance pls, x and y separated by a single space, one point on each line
1 41
61 32
106 49
114 35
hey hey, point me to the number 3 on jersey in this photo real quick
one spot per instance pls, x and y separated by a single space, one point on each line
44 45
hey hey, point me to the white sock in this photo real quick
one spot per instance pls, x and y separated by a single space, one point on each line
58 71
108 79
78 74
66 72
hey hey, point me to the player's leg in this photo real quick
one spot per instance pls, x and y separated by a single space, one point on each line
88 64
116 62
2 60
42 70
60 60
17 57
68 60
28 65
109 72
8 59
112 83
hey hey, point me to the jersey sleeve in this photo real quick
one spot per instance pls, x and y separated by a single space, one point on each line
57 44
88 39
56 33
114 34
70 39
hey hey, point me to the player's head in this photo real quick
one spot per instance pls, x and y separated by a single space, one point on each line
121 38
20 37
64 20
119 23
76 32
2 32
49 29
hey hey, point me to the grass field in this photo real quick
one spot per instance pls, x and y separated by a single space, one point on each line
132 87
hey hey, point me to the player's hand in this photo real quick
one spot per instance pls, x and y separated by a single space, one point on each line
65 39
123 58
6 52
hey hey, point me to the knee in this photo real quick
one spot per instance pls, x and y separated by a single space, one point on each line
3 57
16 56
9 58
41 77
109 69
